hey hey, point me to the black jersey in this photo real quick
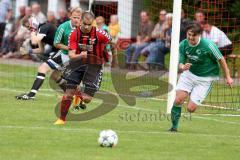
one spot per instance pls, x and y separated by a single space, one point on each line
48 30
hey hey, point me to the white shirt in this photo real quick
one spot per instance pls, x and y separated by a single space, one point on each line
217 36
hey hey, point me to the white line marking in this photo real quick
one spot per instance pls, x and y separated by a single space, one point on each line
118 131
143 109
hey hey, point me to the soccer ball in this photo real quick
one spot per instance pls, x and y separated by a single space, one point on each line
107 138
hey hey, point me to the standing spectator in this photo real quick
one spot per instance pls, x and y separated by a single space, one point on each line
36 12
218 37
62 17
114 29
143 39
5 6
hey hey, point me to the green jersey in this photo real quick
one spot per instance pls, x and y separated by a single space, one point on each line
204 57
62 34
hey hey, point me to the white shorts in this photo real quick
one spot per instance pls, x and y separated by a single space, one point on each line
197 87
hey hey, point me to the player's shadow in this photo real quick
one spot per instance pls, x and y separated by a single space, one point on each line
125 81
109 102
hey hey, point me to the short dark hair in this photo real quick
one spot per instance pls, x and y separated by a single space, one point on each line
88 15
195 27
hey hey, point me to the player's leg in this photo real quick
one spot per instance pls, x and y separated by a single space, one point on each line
198 94
184 87
78 102
42 70
73 79
177 109
92 81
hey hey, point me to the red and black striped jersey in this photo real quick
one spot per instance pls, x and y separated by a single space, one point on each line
93 42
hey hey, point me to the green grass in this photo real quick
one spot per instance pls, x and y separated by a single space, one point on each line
27 131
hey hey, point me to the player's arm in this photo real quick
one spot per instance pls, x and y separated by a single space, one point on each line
38 50
36 37
225 69
183 66
218 56
58 38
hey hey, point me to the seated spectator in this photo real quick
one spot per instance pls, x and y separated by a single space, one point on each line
157 53
38 14
184 23
6 46
155 35
114 29
100 22
51 18
199 16
63 17
28 10
143 39
5 6
218 37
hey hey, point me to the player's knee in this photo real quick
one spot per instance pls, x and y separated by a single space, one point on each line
87 99
43 68
191 109
179 101
69 97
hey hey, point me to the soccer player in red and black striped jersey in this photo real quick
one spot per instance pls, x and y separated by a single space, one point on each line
87 54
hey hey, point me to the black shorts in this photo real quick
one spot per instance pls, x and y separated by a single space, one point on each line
55 61
89 74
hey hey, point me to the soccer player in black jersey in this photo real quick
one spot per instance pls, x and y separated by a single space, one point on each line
41 34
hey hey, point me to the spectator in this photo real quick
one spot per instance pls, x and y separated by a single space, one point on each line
143 39
51 18
155 35
114 29
100 22
218 37
184 23
62 17
28 10
36 12
199 16
5 6
6 46
157 53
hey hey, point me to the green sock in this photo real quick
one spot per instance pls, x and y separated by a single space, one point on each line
175 115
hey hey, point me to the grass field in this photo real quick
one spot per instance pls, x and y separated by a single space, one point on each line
27 131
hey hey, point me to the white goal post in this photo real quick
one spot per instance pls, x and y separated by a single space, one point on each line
174 52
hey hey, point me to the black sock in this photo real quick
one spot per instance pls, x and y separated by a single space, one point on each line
37 84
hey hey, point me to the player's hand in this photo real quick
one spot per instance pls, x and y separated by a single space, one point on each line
23 51
186 66
83 54
229 81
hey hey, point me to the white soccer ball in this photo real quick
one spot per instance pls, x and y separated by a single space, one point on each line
107 138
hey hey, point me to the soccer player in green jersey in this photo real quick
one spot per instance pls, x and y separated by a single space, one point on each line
199 61
64 30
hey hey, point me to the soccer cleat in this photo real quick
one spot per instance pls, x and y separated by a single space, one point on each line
81 105
172 130
59 122
24 96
